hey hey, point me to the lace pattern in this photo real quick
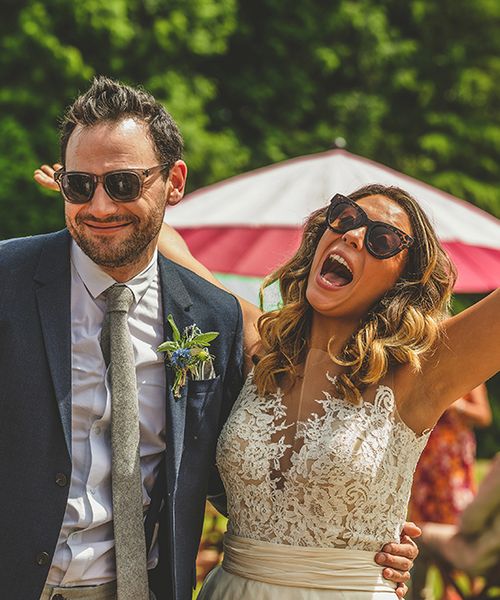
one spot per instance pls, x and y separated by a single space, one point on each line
343 480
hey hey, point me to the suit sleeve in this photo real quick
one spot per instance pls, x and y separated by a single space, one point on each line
233 382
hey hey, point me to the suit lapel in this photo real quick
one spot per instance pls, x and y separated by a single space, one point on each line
53 296
177 302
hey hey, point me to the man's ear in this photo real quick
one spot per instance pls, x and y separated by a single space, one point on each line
176 182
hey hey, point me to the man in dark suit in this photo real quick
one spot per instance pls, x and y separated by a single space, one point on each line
122 166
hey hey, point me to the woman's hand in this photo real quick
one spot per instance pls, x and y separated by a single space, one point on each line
44 176
398 558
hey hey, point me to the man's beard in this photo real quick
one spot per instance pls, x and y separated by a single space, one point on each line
129 251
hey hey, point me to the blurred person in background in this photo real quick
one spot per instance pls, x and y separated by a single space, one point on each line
444 483
473 545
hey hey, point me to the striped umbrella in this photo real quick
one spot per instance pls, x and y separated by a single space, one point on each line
244 227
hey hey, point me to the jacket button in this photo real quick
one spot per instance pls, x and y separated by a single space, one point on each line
61 479
42 558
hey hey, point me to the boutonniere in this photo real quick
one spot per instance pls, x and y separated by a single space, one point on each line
187 354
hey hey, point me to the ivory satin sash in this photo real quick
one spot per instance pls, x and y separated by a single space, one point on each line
301 566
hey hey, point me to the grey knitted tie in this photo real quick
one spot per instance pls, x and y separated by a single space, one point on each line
130 544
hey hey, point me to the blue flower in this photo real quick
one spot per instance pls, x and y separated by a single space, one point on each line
180 357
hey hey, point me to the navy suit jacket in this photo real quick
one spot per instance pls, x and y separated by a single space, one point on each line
35 415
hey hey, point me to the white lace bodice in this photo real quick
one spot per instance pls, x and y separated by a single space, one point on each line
341 478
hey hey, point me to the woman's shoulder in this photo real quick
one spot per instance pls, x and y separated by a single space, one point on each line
414 402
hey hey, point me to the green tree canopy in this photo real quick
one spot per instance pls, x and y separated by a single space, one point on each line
49 51
414 85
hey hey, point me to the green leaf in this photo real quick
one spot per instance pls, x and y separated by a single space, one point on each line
203 339
167 347
175 331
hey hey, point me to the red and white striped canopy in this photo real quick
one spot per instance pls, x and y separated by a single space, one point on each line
246 226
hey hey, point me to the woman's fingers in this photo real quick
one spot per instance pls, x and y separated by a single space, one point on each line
392 561
44 180
411 530
397 560
396 576
44 176
406 549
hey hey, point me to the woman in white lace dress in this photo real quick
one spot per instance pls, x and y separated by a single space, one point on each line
318 453
344 383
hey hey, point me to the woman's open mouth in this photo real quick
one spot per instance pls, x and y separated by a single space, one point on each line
335 271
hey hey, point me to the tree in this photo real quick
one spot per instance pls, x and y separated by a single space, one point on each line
411 84
49 50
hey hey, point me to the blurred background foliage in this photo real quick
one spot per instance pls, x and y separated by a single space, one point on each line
414 85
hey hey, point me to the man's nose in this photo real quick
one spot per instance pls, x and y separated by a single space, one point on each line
355 237
102 205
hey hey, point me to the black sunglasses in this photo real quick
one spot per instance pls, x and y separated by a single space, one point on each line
382 239
121 185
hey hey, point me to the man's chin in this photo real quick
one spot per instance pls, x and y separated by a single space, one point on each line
112 253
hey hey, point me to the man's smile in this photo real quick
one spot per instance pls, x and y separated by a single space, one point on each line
107 227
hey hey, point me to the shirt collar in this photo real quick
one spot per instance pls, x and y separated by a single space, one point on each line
97 281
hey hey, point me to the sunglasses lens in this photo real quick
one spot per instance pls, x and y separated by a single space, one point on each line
384 242
77 187
343 217
123 186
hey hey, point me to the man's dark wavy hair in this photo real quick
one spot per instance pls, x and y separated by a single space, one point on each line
109 101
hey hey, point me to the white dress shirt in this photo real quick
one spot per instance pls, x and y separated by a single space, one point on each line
85 549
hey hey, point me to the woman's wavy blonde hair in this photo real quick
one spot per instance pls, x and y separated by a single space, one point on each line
399 328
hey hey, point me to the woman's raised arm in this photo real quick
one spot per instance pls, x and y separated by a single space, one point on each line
172 246
466 355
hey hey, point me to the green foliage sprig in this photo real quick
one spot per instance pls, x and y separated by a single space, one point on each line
187 354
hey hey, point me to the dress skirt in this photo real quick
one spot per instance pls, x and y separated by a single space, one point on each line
255 570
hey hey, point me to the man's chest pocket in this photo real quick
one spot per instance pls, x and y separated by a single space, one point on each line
203 402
